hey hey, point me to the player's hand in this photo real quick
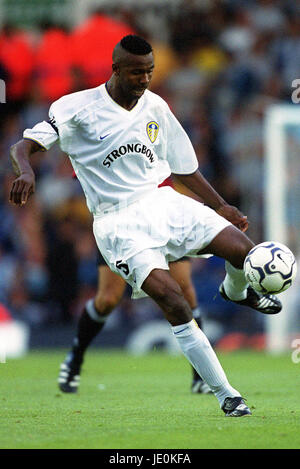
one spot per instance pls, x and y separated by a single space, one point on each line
233 215
22 188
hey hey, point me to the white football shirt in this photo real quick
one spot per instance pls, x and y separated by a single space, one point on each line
118 156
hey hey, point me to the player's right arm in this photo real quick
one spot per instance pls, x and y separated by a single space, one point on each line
40 137
24 185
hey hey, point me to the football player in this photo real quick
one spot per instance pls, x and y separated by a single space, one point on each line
123 141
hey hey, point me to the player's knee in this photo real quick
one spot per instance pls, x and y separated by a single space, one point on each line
174 305
241 245
165 294
241 253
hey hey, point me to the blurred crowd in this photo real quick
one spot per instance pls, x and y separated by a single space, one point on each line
219 64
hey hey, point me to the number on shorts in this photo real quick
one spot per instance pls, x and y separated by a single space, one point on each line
122 266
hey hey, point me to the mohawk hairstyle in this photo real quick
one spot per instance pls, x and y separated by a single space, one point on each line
136 45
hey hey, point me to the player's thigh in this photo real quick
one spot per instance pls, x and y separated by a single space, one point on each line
110 285
231 244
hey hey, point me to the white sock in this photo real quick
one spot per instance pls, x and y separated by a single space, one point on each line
92 312
235 283
197 349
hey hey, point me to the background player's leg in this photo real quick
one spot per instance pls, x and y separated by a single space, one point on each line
110 290
181 272
166 292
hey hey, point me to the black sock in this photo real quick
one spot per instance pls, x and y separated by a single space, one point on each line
199 321
87 330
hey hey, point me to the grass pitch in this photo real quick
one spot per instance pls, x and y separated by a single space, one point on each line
128 402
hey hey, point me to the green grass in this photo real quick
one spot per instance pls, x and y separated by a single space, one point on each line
128 402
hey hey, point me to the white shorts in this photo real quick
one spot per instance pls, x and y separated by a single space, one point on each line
162 227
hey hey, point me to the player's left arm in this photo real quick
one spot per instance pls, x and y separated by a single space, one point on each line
202 188
186 170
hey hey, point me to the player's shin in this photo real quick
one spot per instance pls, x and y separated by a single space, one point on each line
235 283
197 349
89 325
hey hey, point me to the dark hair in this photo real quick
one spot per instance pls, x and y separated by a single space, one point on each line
135 45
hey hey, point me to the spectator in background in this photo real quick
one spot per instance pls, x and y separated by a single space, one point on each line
53 63
189 25
92 46
285 52
166 62
266 16
183 87
238 35
16 57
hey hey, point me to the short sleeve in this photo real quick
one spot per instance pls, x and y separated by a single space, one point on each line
181 155
44 133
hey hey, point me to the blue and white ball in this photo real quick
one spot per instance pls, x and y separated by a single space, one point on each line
270 267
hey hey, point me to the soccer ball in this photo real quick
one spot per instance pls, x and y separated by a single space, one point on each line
270 267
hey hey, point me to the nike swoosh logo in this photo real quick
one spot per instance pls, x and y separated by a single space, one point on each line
280 257
102 138
181 330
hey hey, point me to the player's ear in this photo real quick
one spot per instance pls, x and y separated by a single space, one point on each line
116 68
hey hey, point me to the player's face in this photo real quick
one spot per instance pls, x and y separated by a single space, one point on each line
135 75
